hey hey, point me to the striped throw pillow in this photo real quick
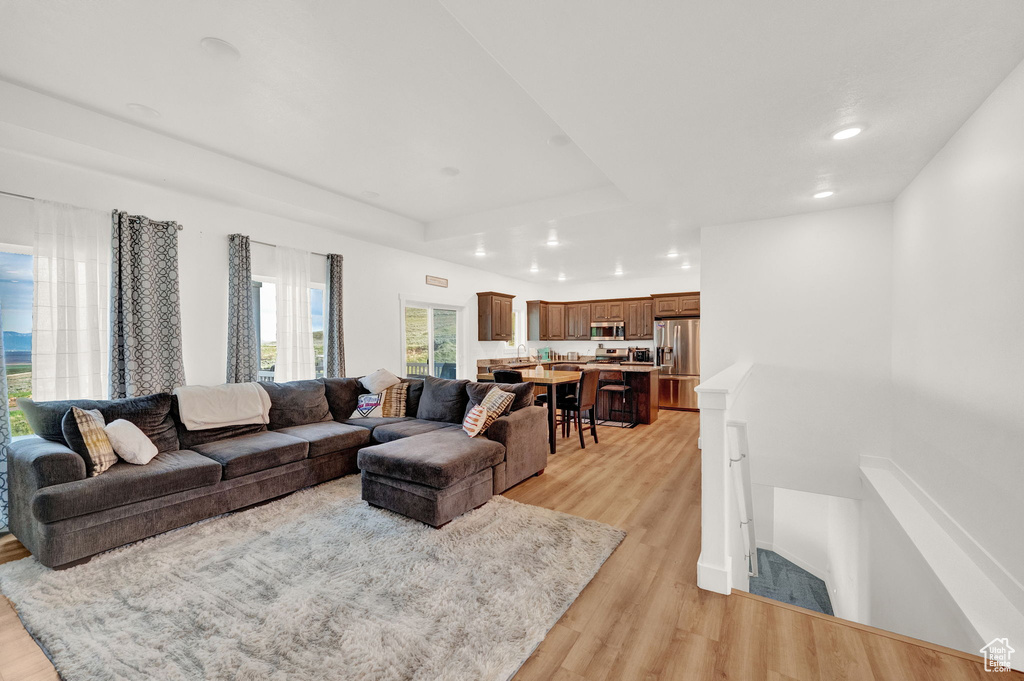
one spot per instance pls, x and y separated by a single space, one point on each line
100 454
394 400
482 415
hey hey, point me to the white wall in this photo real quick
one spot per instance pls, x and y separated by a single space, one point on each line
958 327
375 276
807 300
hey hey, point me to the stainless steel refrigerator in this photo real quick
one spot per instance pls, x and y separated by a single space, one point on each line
677 342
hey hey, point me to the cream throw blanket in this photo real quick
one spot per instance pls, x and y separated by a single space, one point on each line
202 407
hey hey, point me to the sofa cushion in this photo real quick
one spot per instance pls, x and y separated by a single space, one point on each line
396 431
188 439
443 400
250 453
151 413
329 437
438 459
125 483
523 394
412 397
297 403
342 396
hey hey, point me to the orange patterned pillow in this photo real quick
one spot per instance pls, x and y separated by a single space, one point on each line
476 421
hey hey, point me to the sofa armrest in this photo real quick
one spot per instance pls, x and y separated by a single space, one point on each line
34 463
524 434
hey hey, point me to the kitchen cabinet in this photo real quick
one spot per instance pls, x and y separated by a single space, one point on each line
494 316
545 321
677 305
639 319
577 321
556 321
608 311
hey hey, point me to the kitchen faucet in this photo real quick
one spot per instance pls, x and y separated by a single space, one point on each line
519 357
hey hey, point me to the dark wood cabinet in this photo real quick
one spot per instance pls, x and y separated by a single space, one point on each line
677 305
608 311
556 321
577 321
494 316
639 319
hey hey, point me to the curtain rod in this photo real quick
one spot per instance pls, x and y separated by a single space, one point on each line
264 243
32 198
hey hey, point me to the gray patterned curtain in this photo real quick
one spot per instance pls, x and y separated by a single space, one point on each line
243 355
334 329
145 309
5 429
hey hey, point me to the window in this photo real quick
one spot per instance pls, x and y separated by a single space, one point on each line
518 330
16 298
431 340
264 302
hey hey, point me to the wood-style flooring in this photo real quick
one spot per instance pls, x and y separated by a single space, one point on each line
643 617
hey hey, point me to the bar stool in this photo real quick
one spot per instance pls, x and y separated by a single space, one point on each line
614 383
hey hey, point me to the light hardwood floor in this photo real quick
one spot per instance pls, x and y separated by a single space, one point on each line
643 617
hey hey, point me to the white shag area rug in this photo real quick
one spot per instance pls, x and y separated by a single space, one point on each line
317 585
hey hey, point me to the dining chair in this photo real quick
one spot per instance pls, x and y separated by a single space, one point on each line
507 376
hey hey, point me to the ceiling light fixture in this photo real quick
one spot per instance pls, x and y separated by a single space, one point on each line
552 241
847 133
824 194
685 266
143 110
672 254
450 171
561 276
534 269
220 48
480 252
618 272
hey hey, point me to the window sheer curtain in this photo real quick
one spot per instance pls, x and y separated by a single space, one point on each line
294 322
70 318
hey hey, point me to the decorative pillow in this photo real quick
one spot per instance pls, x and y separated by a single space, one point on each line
443 400
387 404
130 443
481 416
91 442
523 394
476 421
412 400
379 381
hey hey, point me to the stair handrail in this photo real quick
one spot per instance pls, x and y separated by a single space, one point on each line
739 466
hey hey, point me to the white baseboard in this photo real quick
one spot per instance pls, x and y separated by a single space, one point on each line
714 578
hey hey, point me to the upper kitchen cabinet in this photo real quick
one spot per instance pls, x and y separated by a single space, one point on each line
545 321
640 319
494 316
577 321
608 311
677 305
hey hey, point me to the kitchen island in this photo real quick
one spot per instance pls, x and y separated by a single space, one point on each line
642 379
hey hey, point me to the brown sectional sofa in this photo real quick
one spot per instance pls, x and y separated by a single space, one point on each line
425 468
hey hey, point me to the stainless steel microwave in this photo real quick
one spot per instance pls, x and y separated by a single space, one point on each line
608 330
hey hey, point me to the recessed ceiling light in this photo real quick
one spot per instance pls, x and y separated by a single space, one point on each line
143 110
534 269
553 241
371 195
220 48
559 141
672 254
561 276
480 252
824 194
847 133
685 266
450 171
618 272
